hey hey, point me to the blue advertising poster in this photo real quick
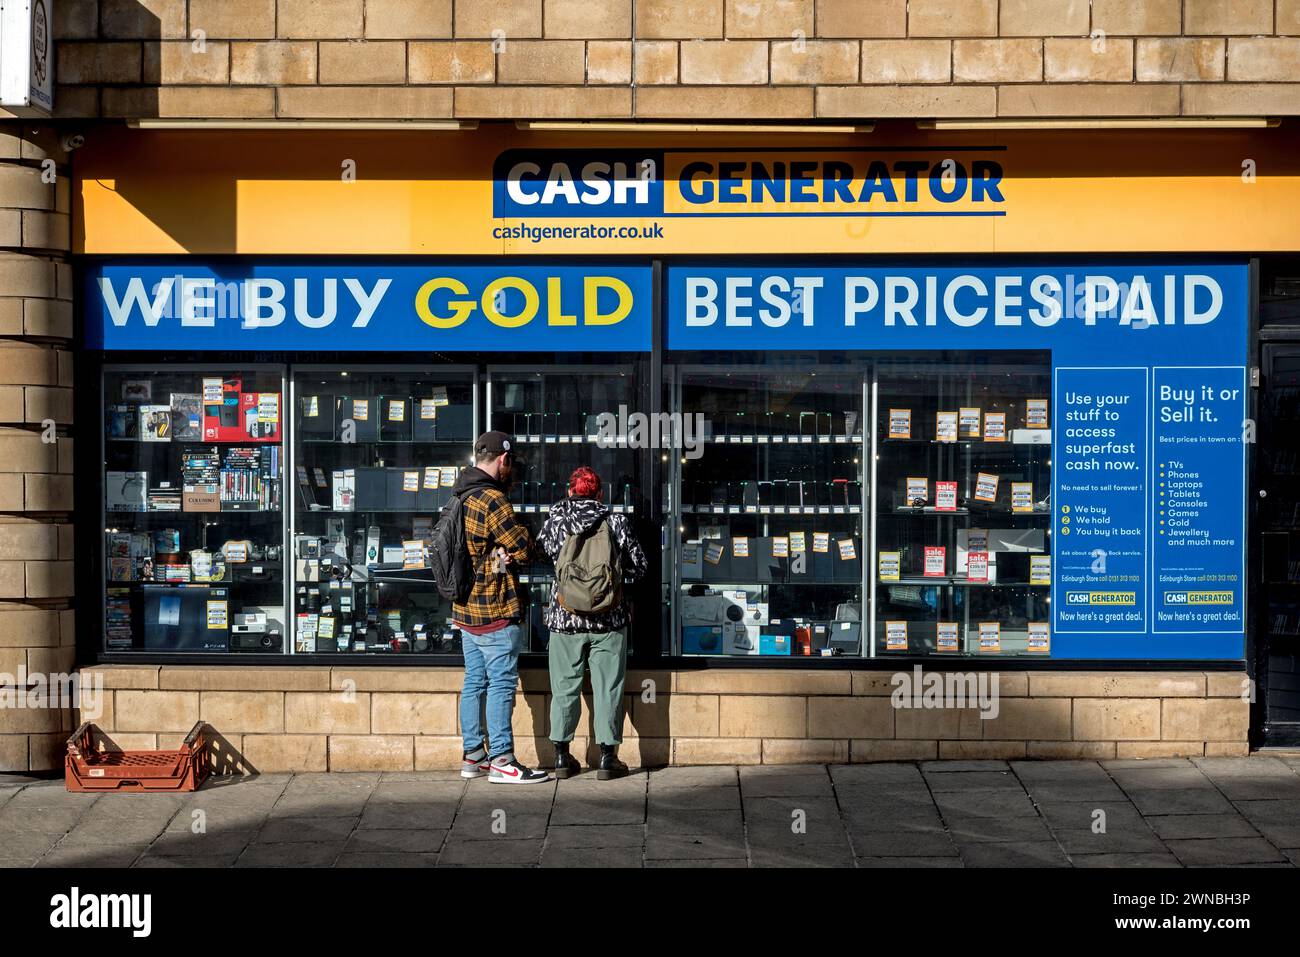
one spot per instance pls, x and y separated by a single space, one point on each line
1148 413
398 306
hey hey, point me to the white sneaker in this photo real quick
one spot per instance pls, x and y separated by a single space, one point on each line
506 770
475 764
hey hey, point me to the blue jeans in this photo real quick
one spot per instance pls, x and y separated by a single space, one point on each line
491 669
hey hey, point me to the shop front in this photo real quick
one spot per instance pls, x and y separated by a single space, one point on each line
886 413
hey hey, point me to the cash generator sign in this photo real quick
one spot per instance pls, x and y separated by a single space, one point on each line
451 307
649 184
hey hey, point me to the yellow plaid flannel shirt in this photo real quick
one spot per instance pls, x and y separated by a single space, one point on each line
490 522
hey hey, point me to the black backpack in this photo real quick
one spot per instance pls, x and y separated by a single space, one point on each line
453 572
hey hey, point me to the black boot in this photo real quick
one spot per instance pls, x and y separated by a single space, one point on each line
566 765
610 765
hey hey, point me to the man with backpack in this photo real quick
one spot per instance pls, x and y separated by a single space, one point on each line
477 545
593 549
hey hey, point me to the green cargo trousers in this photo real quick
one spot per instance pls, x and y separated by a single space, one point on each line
606 653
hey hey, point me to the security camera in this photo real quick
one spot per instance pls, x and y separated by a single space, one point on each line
72 142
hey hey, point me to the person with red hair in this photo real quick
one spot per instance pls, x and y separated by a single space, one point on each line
594 550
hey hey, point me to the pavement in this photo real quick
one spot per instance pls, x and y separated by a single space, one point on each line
1203 812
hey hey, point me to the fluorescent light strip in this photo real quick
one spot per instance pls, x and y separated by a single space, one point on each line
342 125
1099 123
768 129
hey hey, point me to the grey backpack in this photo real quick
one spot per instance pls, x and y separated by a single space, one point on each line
589 571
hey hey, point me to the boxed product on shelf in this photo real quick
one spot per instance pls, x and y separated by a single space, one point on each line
126 491
186 416
122 421
155 423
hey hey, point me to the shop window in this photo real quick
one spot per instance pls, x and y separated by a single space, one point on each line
770 509
376 455
962 515
193 510
562 418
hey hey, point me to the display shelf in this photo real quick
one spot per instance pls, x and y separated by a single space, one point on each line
756 438
942 581
773 510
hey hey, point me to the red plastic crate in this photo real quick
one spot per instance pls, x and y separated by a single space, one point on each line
87 769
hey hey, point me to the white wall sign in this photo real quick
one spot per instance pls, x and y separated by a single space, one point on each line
27 56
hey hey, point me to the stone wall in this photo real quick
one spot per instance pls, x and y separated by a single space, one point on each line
36 584
706 59
353 719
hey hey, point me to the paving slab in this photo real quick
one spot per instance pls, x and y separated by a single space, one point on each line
675 821
954 767
889 773
596 811
598 835
1169 779
1126 860
26 844
384 815
1183 826
419 841
726 862
1014 854
46 820
1114 840
973 781
910 862
290 855
1125 764
125 831
209 845
1059 771
996 803
1074 790
92 855
875 844
308 830
783 809
232 817
1188 801
812 855
785 782
485 827
1225 850
692 847
972 829
592 857
478 853
705 797
1076 814
386 861
703 776
214 862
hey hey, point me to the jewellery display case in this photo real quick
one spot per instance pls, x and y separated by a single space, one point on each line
962 528
193 556
562 417
770 504
377 451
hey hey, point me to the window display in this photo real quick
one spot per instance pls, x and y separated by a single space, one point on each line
376 455
963 518
771 512
562 418
193 533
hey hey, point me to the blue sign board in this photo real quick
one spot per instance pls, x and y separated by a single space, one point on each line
398 306
1148 413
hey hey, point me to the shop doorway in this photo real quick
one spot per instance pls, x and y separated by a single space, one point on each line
1278 622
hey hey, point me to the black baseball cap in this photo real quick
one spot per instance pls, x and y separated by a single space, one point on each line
494 443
